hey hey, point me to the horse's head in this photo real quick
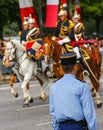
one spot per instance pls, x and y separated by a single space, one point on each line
47 48
9 54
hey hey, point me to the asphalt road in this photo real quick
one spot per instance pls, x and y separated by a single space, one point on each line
36 117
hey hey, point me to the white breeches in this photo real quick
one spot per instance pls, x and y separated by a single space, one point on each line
76 50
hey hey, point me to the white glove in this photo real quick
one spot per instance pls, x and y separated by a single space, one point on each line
66 39
53 38
60 42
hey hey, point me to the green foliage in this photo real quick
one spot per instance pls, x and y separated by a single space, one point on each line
11 29
10 15
92 8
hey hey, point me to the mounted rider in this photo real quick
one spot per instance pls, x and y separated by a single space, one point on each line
34 32
33 39
77 40
68 31
79 27
63 30
33 42
24 31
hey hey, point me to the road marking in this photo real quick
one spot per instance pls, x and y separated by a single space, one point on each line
44 123
18 86
34 107
35 83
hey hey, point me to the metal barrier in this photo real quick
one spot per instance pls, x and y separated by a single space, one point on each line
3 69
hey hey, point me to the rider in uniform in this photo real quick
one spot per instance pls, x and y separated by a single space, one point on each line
24 32
63 30
79 27
34 32
77 35
35 37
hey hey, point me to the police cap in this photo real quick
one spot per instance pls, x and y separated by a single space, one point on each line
68 58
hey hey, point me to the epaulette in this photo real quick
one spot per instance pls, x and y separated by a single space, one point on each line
19 33
71 24
82 26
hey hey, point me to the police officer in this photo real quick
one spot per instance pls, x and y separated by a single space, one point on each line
64 27
71 104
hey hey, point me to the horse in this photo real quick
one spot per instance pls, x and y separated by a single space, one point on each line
15 55
52 50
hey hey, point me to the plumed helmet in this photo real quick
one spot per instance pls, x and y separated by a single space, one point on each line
31 20
62 12
25 22
76 16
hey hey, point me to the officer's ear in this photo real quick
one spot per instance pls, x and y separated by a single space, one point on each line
75 68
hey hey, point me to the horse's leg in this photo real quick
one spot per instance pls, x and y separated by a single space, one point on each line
11 82
96 87
44 82
28 93
98 99
18 74
24 88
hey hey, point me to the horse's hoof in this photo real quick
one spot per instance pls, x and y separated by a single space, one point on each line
26 105
31 100
93 94
99 105
15 95
43 97
92 89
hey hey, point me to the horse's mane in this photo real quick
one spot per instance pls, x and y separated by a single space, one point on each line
57 50
18 45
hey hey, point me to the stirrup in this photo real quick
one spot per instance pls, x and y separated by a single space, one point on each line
85 73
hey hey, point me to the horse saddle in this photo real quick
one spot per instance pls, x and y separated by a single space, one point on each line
32 48
84 53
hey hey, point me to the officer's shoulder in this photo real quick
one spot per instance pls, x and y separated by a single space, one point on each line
82 81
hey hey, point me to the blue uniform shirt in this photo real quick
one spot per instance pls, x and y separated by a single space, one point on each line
71 99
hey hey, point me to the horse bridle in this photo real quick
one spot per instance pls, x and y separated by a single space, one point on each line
9 51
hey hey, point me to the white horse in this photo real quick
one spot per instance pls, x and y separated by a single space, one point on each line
25 69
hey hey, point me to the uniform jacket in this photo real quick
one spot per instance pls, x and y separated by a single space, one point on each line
71 99
64 28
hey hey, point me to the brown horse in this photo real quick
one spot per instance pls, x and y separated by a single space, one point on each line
52 50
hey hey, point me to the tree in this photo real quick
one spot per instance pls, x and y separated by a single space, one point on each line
9 12
93 9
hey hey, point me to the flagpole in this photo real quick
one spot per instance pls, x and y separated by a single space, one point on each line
40 17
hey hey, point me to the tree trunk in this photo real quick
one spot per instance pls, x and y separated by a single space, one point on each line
1 31
40 17
97 21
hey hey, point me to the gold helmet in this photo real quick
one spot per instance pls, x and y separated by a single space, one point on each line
76 16
62 12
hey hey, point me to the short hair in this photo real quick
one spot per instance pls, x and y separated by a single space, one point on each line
68 68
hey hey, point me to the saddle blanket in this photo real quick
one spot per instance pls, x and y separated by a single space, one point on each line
32 47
